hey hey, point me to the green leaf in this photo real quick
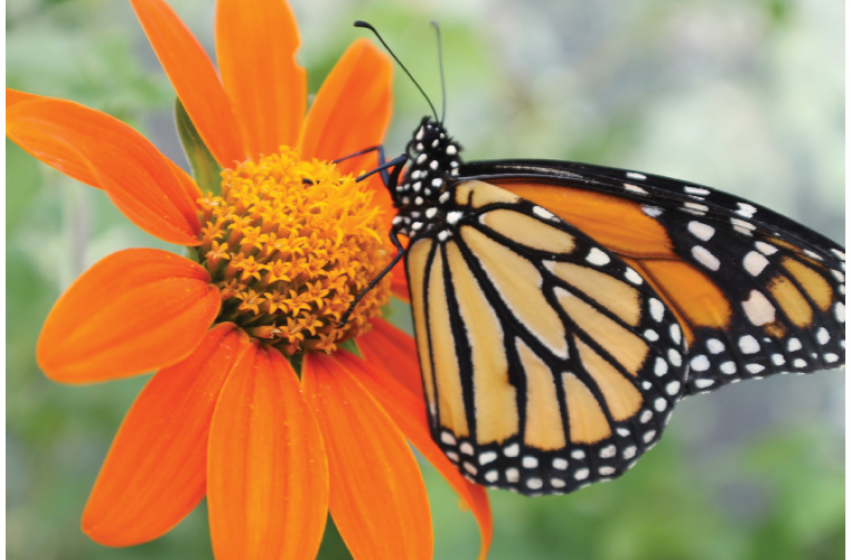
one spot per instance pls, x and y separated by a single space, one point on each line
351 346
205 168
296 360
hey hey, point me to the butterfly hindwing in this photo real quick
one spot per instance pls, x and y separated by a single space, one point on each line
756 293
548 362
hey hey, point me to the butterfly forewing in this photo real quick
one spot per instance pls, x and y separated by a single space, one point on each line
548 363
756 293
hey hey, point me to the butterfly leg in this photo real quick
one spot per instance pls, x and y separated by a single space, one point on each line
379 149
383 165
396 164
399 254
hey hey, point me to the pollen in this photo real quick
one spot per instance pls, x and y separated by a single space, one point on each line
290 244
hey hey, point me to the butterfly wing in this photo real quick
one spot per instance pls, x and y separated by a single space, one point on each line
548 362
756 293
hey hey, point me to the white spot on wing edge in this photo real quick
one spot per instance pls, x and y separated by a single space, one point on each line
657 309
700 230
673 388
700 363
748 344
728 368
754 263
652 211
765 248
633 188
695 206
530 462
541 213
633 276
608 451
597 257
714 346
742 223
696 191
758 309
746 210
636 175
704 257
487 457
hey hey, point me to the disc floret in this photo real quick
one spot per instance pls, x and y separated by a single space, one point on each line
290 243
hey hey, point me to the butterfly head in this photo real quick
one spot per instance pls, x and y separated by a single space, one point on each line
435 160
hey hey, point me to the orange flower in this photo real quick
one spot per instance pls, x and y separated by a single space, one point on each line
275 259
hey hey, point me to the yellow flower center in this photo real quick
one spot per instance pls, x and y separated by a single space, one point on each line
290 244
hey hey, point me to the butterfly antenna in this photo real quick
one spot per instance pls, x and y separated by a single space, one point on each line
442 80
365 25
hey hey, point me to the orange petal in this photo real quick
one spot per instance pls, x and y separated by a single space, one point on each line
156 470
352 109
194 79
378 499
256 43
352 112
267 471
13 97
101 151
188 184
409 414
396 351
134 311
399 282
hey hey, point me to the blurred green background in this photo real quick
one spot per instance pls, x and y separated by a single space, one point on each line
746 96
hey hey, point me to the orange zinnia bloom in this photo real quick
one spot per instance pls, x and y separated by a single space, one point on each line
275 259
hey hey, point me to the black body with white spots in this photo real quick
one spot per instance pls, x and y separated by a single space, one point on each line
421 195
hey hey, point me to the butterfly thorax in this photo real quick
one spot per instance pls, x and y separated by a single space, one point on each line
424 192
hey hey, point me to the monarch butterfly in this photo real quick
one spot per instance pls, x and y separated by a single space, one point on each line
562 309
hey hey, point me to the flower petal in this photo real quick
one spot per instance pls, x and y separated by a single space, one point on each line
378 499
134 311
399 282
351 112
256 44
409 414
194 79
353 107
188 183
156 470
101 151
13 97
396 350
267 471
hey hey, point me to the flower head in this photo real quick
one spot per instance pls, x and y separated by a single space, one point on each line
280 243
290 243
